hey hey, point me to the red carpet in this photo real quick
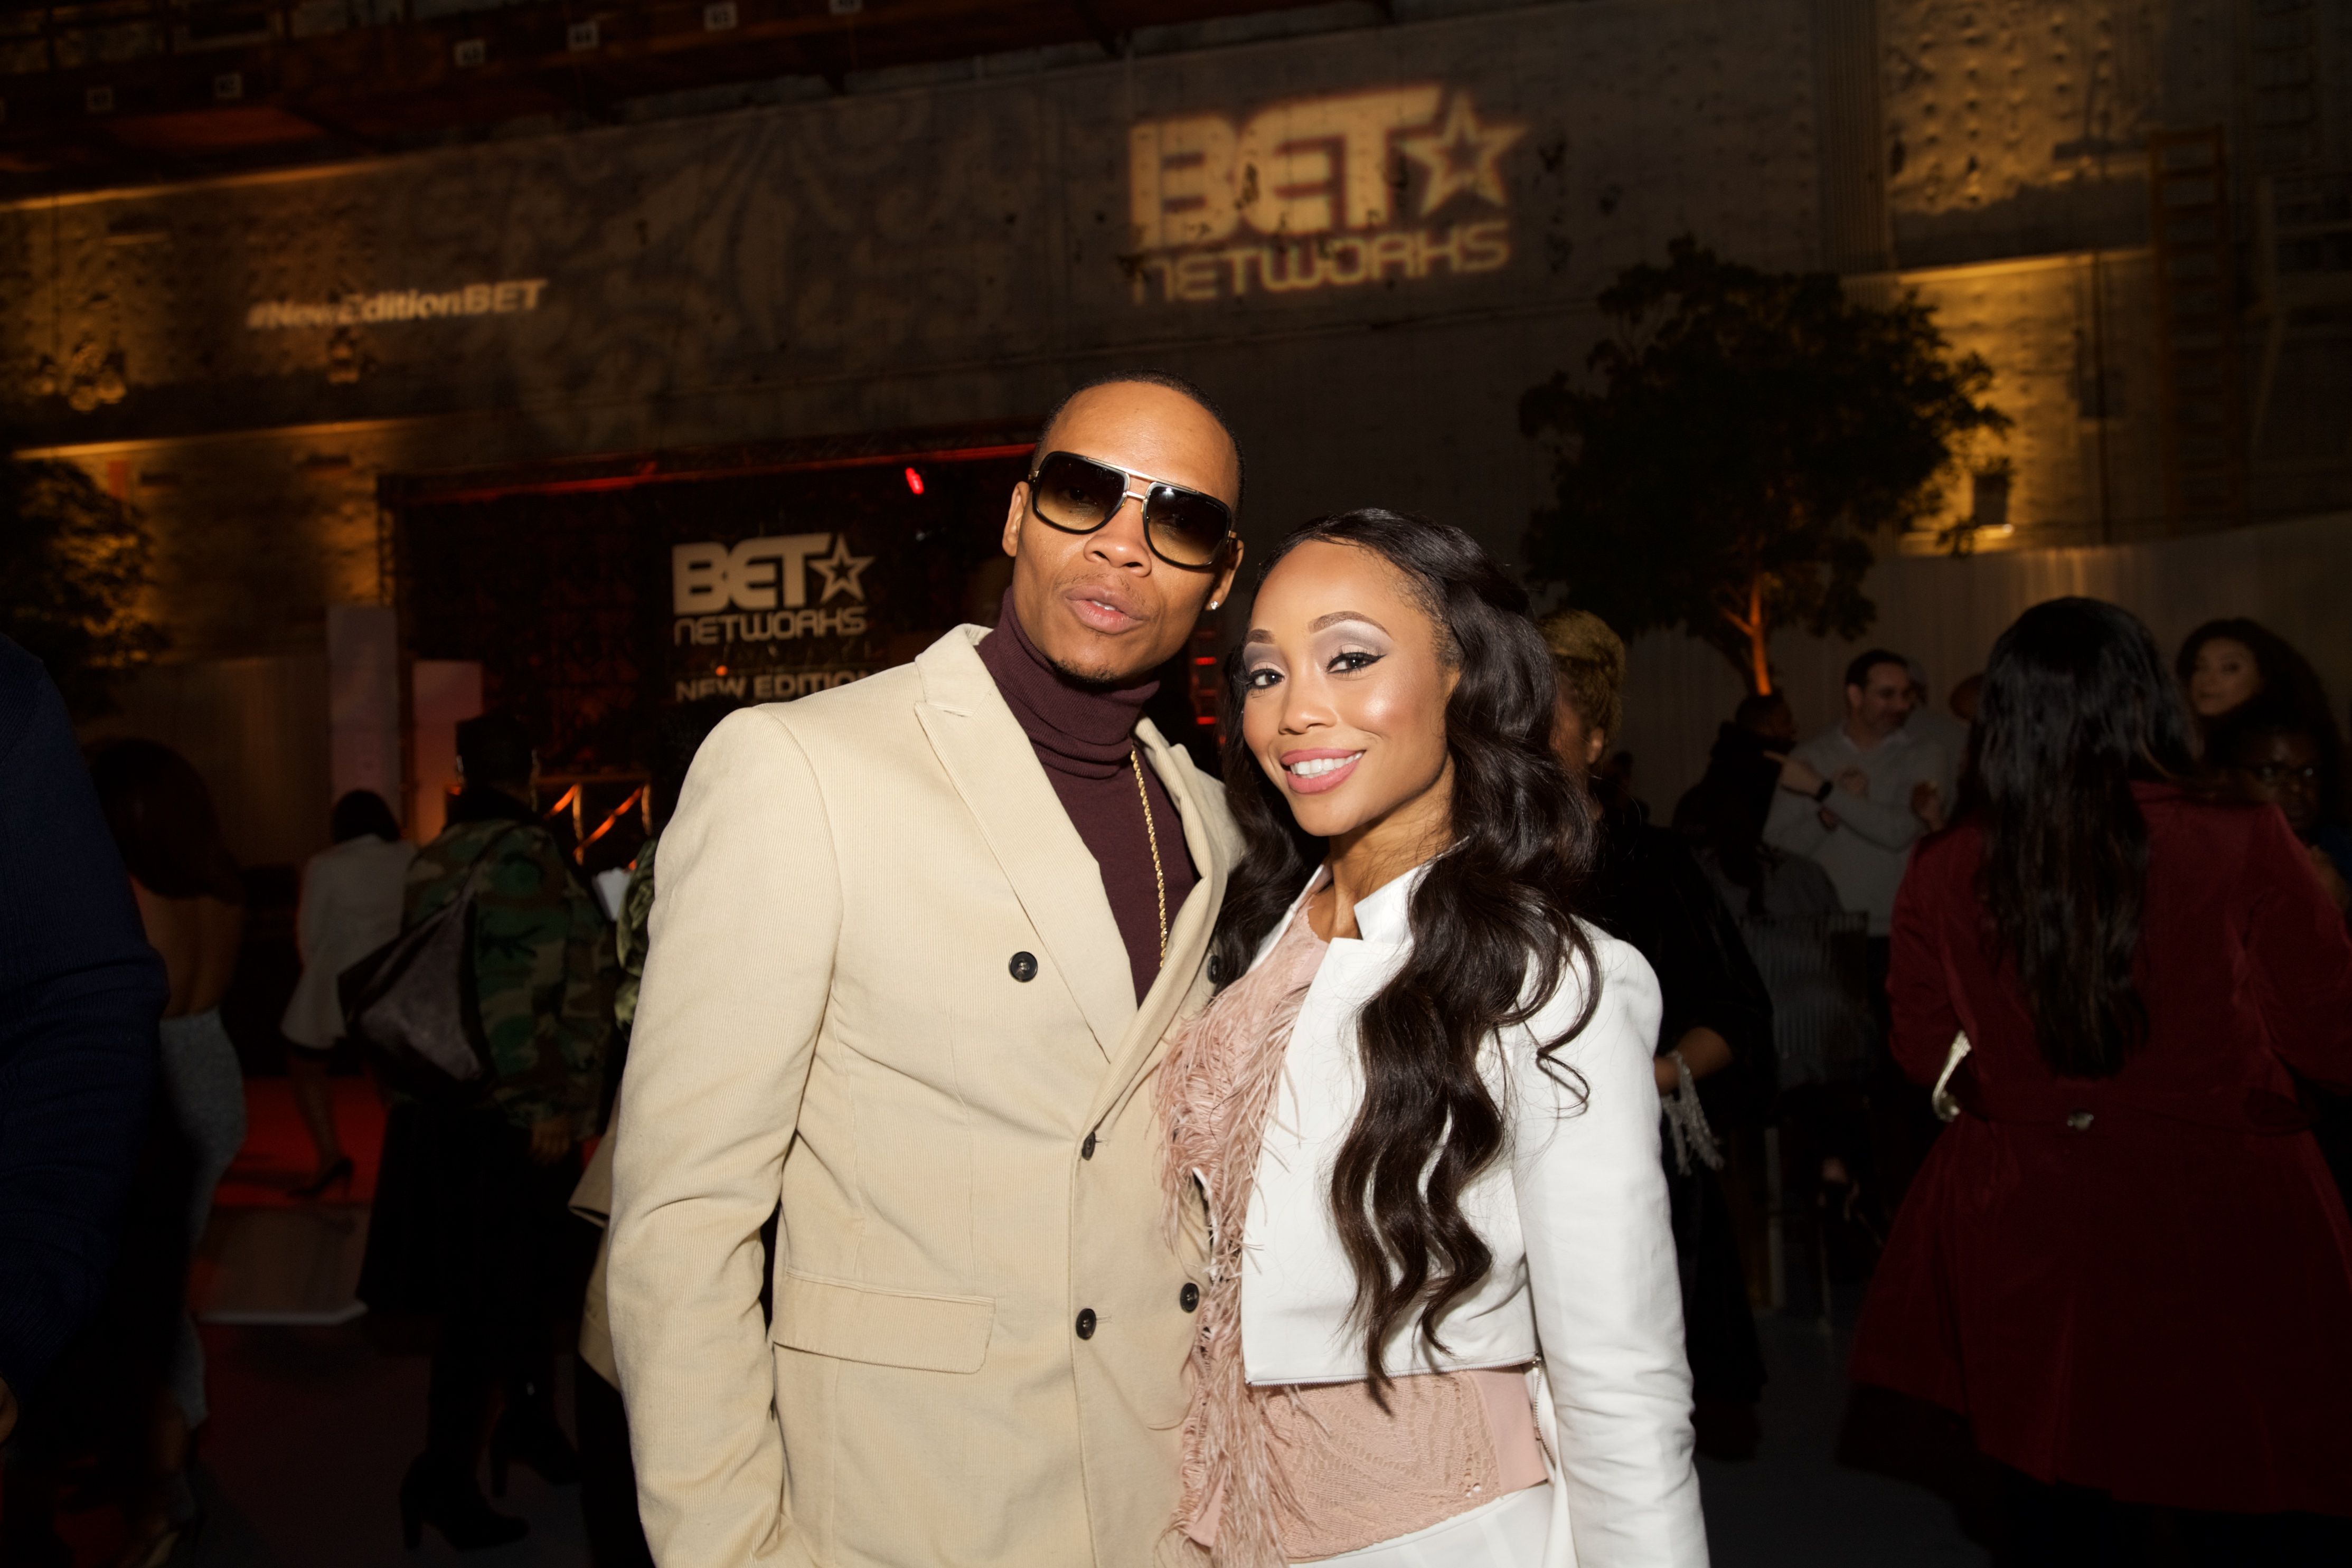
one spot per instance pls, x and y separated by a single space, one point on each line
268 1257
277 1155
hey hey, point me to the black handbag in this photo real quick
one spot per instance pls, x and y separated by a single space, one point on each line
412 1002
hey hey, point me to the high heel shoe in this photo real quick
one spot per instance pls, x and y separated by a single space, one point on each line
529 1434
431 1494
337 1175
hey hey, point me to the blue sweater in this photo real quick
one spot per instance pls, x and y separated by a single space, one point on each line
79 993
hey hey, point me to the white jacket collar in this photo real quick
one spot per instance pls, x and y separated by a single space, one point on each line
1381 920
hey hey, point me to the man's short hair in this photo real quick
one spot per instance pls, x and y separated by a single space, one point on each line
1166 382
495 749
1858 673
1591 659
1756 707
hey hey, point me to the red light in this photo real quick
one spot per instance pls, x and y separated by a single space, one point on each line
722 669
915 481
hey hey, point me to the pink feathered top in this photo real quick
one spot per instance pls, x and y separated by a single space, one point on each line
1279 1475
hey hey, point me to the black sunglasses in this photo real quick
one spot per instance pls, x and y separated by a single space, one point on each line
1078 496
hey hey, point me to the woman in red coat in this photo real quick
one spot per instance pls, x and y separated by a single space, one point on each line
2124 1261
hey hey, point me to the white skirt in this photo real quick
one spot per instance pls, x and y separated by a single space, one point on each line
1508 1533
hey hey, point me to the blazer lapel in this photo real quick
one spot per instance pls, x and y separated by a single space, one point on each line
994 769
1188 933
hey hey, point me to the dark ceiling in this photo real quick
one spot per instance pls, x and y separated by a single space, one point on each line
139 91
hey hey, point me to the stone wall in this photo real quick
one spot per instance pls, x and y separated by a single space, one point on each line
729 275
1364 243
901 258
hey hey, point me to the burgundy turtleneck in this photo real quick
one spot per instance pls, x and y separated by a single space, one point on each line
1082 736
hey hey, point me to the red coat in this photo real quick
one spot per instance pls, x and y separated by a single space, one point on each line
2159 1303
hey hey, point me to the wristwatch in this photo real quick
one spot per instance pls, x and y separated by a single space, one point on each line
1821 795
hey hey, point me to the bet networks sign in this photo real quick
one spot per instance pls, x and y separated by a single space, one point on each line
778 588
1319 193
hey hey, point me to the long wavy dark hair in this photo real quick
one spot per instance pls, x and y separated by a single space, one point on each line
163 820
2077 704
2284 671
1493 924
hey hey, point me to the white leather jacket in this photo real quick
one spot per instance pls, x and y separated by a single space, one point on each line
1574 1210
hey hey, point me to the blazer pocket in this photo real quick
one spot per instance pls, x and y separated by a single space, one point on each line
881 1326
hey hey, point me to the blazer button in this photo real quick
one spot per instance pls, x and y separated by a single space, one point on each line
1087 1149
1188 1297
1024 965
1086 1322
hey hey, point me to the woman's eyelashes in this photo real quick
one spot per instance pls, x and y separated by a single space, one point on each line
1345 662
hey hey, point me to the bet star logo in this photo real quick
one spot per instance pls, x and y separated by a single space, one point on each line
1461 155
767 573
841 571
1319 193
1311 166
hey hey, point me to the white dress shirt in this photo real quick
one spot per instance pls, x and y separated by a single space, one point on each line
1866 852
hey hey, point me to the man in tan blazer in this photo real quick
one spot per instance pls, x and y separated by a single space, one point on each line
904 981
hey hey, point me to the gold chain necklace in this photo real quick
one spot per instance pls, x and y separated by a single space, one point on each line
1158 877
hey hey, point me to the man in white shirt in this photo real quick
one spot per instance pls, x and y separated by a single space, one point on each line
1854 799
1854 796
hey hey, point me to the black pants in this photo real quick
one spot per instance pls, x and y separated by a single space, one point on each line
1719 1327
2062 1526
1833 1233
469 1229
479 1354
608 1478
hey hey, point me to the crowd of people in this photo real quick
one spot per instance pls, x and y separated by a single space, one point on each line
996 1139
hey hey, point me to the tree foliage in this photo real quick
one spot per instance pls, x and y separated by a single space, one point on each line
1749 431
73 569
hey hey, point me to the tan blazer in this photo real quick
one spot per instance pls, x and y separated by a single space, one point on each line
980 1331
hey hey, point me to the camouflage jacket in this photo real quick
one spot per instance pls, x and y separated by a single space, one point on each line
631 936
544 967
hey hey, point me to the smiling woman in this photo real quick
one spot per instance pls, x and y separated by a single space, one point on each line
1358 691
1467 1121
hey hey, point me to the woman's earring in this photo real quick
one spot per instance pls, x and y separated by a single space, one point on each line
1212 604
